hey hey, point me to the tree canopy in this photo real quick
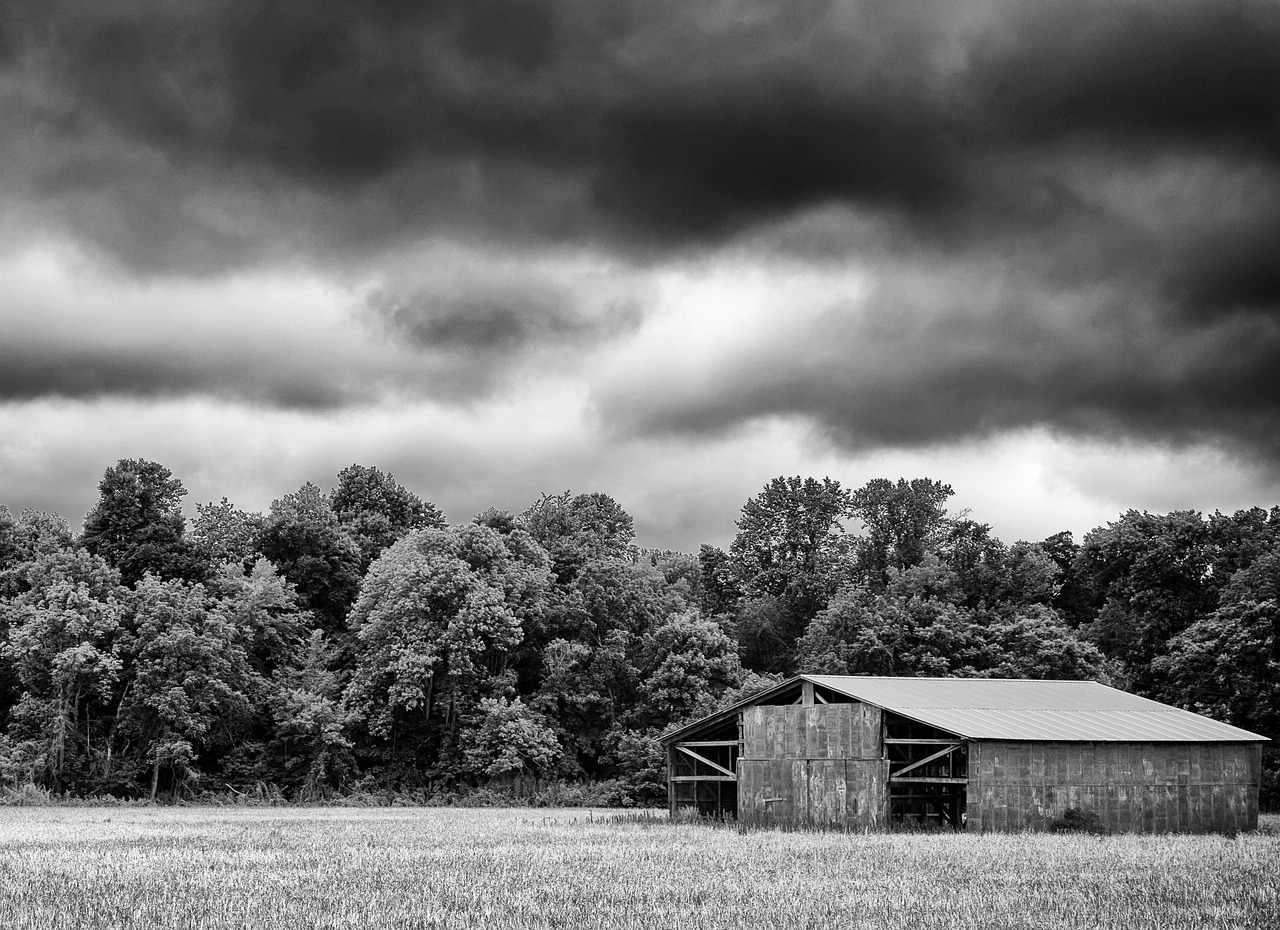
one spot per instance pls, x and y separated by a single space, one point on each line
354 640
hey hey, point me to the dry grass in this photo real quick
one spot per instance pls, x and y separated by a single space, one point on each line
151 868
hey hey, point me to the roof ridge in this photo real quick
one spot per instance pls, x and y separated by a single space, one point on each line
1023 681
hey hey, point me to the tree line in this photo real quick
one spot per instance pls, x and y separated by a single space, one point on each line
352 640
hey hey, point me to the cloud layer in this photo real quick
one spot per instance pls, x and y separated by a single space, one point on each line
892 226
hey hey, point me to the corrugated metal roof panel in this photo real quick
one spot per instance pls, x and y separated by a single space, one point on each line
1018 709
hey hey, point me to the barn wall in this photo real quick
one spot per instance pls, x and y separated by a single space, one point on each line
812 764
1131 787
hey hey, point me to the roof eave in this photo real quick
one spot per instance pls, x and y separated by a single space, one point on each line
725 712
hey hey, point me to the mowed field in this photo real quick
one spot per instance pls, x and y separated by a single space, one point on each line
383 868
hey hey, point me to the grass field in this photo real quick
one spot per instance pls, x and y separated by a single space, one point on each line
383 868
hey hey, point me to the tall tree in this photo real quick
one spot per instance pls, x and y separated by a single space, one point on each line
10 548
1072 599
903 520
376 510
1151 575
686 665
438 620
192 681
719 584
578 529
303 537
63 636
308 750
978 559
789 546
1034 576
224 533
1227 664
137 524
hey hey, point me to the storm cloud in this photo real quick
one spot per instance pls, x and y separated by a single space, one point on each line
656 122
958 219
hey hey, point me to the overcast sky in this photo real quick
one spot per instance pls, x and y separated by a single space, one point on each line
662 249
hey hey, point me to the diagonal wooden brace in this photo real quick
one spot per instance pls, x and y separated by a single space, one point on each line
927 759
705 761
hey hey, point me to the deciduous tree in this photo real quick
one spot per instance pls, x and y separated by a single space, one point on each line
63 638
303 537
789 547
192 682
437 622
578 529
903 520
137 524
376 510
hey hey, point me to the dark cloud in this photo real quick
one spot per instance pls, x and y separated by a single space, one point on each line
506 319
931 356
1116 165
1132 75
663 121
28 373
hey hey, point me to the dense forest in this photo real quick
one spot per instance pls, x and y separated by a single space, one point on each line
354 642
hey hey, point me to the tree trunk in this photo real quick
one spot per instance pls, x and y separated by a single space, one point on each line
155 778
115 724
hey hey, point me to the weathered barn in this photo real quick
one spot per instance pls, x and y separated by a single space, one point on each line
976 754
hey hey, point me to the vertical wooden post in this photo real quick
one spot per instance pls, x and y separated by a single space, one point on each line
671 781
806 693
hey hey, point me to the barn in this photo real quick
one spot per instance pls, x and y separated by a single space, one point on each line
978 754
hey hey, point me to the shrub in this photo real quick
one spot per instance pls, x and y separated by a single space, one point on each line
1075 820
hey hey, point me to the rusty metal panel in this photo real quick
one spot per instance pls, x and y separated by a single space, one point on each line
1143 809
999 771
797 808
748 791
753 739
837 724
826 792
1022 759
820 732
973 798
1152 787
1124 764
869 732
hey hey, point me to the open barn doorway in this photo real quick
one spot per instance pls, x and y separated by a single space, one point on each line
928 774
703 772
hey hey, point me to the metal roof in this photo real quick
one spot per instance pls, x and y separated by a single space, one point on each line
1019 709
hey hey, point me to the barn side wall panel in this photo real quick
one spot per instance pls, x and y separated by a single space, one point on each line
812 764
1130 787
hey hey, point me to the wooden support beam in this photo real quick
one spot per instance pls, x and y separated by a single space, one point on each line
912 780
926 760
671 783
892 741
704 778
819 698
705 761
708 742
806 692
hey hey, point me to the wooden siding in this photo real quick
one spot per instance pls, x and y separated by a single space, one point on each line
812 764
1131 787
